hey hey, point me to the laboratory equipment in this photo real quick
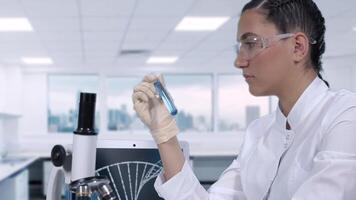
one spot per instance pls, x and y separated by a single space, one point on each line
76 164
165 97
132 166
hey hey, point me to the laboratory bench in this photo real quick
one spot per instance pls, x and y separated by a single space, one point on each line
14 177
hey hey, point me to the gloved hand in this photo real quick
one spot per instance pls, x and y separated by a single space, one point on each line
152 111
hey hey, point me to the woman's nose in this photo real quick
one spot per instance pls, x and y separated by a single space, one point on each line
240 62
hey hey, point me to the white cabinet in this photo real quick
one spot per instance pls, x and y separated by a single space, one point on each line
10 90
15 187
47 167
22 185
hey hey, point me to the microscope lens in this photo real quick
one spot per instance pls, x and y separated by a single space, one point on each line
82 193
105 192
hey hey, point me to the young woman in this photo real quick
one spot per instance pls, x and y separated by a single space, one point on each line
306 149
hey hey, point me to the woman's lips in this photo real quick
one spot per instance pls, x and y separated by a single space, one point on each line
248 77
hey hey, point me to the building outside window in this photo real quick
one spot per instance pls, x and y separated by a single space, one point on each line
192 95
237 108
121 115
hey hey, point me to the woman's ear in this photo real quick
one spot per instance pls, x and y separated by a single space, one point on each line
301 47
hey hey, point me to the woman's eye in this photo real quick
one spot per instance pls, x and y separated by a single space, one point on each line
250 44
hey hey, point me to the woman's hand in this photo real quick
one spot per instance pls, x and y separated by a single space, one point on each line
152 111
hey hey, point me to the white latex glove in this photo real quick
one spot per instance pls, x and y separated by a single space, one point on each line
152 111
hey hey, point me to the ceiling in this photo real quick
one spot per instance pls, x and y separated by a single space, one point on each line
94 35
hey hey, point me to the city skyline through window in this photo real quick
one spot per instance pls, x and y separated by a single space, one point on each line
192 94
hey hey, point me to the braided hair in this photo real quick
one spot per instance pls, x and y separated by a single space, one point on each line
292 15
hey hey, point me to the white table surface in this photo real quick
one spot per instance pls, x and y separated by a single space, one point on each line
9 169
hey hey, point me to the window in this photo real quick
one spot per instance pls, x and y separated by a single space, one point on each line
236 106
121 116
63 100
192 94
193 98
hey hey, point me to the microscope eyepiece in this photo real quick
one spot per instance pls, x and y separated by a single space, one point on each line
86 114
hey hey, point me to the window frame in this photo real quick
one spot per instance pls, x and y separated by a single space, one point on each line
101 106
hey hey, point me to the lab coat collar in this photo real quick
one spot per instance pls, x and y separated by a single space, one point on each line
311 96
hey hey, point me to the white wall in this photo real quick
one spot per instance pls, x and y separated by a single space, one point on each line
10 105
11 132
10 90
2 87
353 78
339 77
340 73
34 113
2 142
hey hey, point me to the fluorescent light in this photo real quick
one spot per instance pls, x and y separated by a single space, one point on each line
354 28
15 24
201 23
37 61
161 60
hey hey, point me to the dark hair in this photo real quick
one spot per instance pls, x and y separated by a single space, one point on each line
301 15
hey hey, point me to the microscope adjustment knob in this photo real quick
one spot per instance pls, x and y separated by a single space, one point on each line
58 155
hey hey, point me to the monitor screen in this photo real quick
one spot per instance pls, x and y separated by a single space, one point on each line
132 171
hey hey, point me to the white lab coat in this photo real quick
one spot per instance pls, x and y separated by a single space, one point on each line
319 155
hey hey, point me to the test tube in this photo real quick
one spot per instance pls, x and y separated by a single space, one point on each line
165 97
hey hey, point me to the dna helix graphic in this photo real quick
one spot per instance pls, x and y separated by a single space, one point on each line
128 178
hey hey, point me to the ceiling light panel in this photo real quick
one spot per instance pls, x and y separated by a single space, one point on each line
201 23
15 24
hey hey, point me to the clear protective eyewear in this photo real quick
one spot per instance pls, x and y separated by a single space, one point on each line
252 45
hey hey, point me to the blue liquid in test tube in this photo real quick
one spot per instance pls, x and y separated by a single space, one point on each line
163 94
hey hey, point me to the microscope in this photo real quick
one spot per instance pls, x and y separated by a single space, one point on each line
75 165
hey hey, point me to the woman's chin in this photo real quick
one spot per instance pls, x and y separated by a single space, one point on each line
258 92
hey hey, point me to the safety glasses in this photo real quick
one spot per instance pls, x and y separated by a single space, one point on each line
250 46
